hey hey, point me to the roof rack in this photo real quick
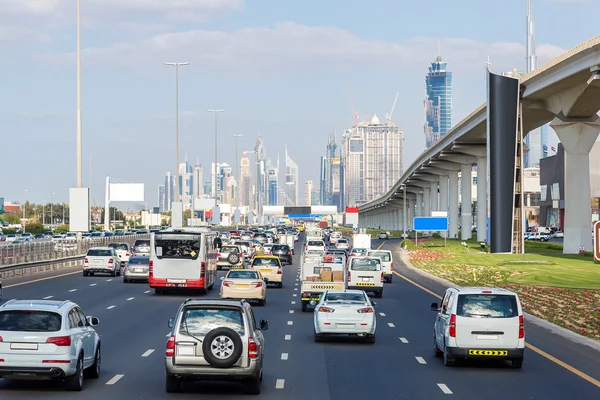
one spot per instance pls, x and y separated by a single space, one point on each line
8 302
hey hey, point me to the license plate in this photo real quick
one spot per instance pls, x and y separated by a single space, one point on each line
487 337
24 346
176 280
491 353
98 261
186 350
265 271
138 270
345 325
243 286
366 279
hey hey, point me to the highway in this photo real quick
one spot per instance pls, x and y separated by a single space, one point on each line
401 364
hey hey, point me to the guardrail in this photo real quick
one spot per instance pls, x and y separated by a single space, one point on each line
24 254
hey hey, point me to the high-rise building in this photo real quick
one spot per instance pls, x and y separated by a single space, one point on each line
186 184
438 102
208 188
161 198
316 197
323 181
198 180
272 186
260 153
373 160
169 196
308 192
246 180
291 180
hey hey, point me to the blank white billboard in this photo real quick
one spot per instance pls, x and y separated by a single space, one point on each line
126 192
216 215
79 209
177 214
204 204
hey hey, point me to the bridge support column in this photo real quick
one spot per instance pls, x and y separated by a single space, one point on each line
466 203
426 203
399 219
443 199
419 204
411 214
482 199
578 138
433 197
453 205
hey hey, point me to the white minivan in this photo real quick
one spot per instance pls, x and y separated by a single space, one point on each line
386 260
479 323
366 273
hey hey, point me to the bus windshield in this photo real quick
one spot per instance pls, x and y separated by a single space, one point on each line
175 245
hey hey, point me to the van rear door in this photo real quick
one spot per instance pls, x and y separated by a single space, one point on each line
176 256
365 272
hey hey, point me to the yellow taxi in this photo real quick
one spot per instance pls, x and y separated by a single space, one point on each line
270 268
300 227
244 284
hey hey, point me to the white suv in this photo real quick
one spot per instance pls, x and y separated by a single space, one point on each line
102 260
479 323
44 339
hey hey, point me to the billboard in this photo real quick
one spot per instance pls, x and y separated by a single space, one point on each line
126 192
430 223
79 209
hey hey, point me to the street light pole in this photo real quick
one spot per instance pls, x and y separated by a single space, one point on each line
79 139
176 65
51 215
237 169
404 213
24 206
216 112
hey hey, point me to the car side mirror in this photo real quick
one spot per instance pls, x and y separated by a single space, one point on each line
222 278
434 307
171 323
264 325
374 303
266 280
313 303
92 321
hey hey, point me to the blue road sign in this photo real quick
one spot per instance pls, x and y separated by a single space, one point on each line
430 223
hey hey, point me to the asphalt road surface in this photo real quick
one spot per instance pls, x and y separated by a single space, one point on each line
401 365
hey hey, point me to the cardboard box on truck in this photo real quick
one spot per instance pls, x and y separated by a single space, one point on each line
338 276
326 276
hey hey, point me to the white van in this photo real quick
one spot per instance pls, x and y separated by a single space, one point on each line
366 273
182 258
386 260
479 323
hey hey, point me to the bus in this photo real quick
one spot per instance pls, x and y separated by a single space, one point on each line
182 259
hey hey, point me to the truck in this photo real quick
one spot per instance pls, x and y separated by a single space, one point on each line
323 224
314 234
286 238
361 241
318 275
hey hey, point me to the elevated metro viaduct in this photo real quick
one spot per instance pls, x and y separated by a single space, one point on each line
564 92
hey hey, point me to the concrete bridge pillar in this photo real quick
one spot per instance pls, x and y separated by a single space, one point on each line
443 198
433 197
466 204
426 203
411 213
482 199
419 204
453 204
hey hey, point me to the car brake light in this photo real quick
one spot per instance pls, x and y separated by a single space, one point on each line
170 351
452 327
110 260
202 269
257 284
382 277
486 292
349 276
365 310
227 283
1 339
326 309
521 327
218 255
127 254
252 348
392 265
59 340
86 260
240 256
279 271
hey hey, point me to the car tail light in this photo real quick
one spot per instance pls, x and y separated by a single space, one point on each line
521 327
1 339
452 327
382 277
218 255
86 260
326 309
240 255
325 248
202 269
392 265
289 253
110 260
349 276
365 310
279 271
151 270
170 351
227 283
486 291
127 254
56 361
257 284
252 348
59 340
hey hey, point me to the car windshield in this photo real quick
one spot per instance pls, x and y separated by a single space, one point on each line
487 306
139 260
142 243
385 257
342 241
365 264
99 253
200 321
345 297
242 275
271 262
118 246
315 243
281 248
30 321
315 252
176 245
229 249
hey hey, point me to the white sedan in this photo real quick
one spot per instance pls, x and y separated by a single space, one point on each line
345 312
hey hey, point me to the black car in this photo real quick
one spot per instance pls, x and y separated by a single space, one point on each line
283 252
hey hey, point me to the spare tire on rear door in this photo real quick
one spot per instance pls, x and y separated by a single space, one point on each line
222 347
233 258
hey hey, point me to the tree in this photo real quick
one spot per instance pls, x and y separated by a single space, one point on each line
186 215
35 228
10 218
115 215
61 228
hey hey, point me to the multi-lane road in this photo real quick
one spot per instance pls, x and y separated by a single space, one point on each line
400 365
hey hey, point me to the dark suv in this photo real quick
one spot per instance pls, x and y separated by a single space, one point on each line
283 252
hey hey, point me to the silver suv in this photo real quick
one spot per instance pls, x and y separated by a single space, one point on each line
44 340
215 340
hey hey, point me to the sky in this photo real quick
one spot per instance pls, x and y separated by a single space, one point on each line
280 69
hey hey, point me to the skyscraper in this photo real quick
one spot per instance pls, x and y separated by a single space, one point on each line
261 174
161 198
246 180
197 180
186 184
308 192
438 102
169 195
272 186
291 180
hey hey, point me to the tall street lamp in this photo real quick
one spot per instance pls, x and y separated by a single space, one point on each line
237 169
79 139
176 65
24 206
51 215
216 112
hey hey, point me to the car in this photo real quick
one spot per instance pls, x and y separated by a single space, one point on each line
383 235
358 252
270 268
137 269
48 340
479 323
141 247
215 340
342 244
387 262
230 256
315 244
345 312
366 273
283 252
246 284
123 251
101 260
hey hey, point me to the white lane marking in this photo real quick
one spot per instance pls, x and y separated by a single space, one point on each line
295 288
280 384
288 337
295 295
131 298
403 340
391 325
296 284
115 379
444 388
382 314
291 311
108 280
148 352
290 322
109 307
168 334
284 356
421 360
72 290
147 291
293 302
93 284
48 297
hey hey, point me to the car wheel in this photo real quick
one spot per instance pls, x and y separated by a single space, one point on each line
113 273
253 385
94 371
448 361
172 384
378 294
280 285
516 364
85 273
304 305
436 351
74 382
318 337
158 291
222 347
370 339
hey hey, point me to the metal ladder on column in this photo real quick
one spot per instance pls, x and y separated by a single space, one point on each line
518 211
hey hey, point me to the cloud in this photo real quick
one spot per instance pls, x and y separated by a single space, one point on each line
290 47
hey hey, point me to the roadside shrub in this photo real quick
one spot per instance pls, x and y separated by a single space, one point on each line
436 235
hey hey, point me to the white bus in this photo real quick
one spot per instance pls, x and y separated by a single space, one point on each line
182 258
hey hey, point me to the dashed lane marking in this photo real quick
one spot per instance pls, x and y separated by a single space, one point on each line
131 298
403 340
110 307
295 288
288 337
148 352
391 325
382 314
542 353
444 388
291 311
147 291
284 356
108 280
290 322
295 295
93 284
280 384
72 290
421 360
293 302
48 297
42 279
115 379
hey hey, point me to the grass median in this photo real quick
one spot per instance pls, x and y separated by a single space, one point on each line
562 289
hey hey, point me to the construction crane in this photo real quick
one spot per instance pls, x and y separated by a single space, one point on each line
354 112
388 117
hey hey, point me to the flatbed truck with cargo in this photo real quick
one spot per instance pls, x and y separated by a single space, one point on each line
319 275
